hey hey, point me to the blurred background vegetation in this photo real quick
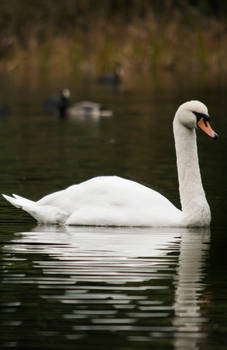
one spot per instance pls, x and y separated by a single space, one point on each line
91 36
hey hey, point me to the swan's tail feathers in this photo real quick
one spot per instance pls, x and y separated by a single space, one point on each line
25 200
44 214
12 200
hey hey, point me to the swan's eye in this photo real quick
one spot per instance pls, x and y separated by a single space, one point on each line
205 117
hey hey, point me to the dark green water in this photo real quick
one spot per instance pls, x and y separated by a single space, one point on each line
116 288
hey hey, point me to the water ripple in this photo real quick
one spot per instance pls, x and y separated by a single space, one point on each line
144 284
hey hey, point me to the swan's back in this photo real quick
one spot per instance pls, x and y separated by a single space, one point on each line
111 200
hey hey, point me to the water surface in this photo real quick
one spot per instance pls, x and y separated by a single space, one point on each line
121 288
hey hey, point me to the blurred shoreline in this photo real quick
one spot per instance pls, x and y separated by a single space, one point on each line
181 41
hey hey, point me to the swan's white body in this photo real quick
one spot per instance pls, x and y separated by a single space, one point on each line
111 200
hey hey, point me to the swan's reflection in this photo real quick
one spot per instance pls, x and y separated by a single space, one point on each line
122 241
188 319
121 255
118 248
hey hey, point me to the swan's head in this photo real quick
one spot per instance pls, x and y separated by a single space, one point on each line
194 114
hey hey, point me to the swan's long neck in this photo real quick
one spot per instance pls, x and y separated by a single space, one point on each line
192 196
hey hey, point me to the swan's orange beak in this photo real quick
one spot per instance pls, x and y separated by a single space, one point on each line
204 125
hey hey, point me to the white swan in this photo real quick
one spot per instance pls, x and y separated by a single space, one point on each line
111 200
